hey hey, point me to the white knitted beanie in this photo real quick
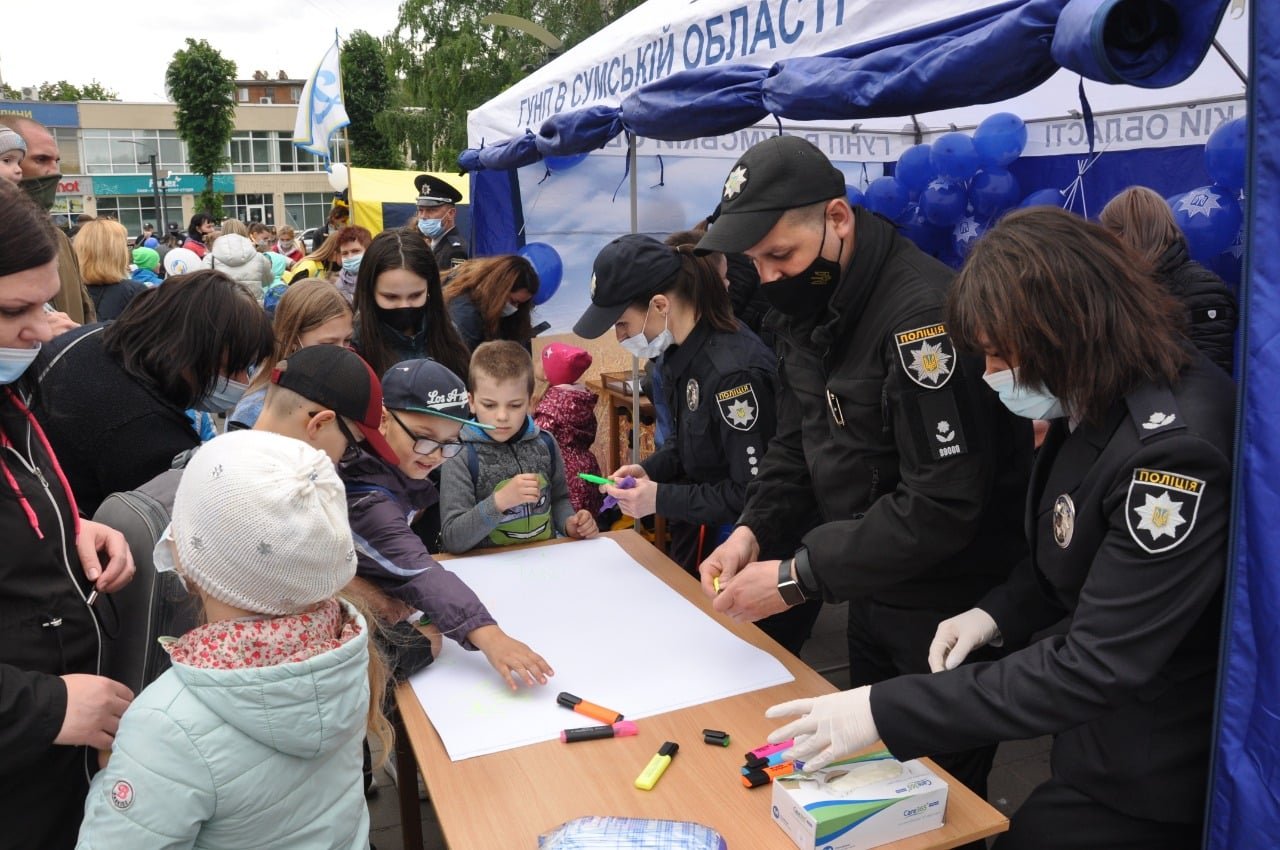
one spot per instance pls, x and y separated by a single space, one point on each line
260 522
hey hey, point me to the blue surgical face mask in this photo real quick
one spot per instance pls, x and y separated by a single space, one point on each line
1023 400
432 228
225 396
509 309
351 265
14 362
643 347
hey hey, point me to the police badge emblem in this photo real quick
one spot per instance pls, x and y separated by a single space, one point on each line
1161 505
739 407
927 355
1064 520
691 394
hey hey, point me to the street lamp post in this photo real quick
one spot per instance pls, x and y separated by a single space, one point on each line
156 189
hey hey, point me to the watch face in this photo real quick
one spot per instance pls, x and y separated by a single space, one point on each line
791 593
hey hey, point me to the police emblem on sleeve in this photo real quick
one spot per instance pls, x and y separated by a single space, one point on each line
1161 509
738 407
927 355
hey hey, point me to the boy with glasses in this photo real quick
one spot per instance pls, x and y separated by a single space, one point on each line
425 406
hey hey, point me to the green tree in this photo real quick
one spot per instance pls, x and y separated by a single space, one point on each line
368 91
63 90
449 61
201 84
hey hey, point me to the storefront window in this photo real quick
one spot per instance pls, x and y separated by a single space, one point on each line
133 212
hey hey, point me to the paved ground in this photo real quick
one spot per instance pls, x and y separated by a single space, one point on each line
1019 765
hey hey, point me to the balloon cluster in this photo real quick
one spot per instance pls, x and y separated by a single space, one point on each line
944 196
1211 217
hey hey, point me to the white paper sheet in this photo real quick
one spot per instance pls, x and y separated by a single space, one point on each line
615 634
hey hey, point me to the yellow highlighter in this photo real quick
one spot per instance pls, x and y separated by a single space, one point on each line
657 766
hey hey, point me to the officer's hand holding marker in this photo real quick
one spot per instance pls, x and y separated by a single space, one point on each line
728 558
830 727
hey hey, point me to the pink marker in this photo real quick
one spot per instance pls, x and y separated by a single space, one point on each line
769 749
621 729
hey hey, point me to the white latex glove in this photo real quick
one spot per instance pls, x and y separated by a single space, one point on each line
960 635
831 727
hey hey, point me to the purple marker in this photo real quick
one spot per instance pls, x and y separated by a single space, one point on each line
625 484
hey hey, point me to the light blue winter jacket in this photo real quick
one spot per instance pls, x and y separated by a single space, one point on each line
265 757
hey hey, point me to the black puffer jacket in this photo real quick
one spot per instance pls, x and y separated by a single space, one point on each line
1211 308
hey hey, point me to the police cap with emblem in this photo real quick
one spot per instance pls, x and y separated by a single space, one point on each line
434 192
776 175
631 268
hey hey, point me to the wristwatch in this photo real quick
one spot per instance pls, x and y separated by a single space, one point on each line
787 586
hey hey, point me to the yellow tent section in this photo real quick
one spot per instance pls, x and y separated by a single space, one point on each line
382 198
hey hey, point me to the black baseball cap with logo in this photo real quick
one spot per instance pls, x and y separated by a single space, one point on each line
631 268
427 386
776 175
338 380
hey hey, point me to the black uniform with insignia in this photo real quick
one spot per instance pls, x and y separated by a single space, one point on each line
1129 525
449 248
904 468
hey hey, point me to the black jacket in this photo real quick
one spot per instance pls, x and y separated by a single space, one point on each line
1211 308
721 390
891 441
1129 523
111 431
110 299
450 251
46 631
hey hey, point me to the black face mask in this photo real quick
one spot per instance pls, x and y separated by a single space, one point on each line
407 320
42 190
808 292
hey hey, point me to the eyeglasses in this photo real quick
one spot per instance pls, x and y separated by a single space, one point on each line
425 446
353 444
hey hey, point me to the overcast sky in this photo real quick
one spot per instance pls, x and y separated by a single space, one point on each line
127 47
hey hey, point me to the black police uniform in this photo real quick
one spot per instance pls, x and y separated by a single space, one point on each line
891 442
1128 522
720 388
450 250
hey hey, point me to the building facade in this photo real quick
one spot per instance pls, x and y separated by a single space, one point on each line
107 147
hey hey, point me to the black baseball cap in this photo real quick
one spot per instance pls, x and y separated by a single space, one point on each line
630 268
339 380
434 192
427 386
776 175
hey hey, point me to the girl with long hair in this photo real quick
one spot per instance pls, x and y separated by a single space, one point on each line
491 299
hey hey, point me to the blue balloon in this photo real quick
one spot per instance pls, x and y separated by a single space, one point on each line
1224 154
1044 198
1227 265
954 157
943 204
966 234
547 263
915 168
854 195
888 197
928 238
1210 218
1000 139
992 191
563 163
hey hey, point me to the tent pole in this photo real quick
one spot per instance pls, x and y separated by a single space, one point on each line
635 361
1231 63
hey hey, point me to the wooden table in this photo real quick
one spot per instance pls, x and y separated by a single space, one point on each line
505 800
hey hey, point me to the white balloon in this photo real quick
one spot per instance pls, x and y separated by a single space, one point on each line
181 261
339 179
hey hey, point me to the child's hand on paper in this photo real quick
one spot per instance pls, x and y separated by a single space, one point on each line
518 490
513 659
581 526
730 556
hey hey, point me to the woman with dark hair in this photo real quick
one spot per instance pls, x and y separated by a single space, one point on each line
491 298
198 232
1128 516
113 397
55 709
400 312
719 384
1143 221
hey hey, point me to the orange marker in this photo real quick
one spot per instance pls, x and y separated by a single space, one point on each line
763 776
590 709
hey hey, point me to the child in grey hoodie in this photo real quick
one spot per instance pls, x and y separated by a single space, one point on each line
508 485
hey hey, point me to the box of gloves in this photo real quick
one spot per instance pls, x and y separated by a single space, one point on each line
860 802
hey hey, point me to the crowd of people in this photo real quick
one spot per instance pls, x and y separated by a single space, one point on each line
1017 478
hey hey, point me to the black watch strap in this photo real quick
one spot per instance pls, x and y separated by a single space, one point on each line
788 589
805 577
